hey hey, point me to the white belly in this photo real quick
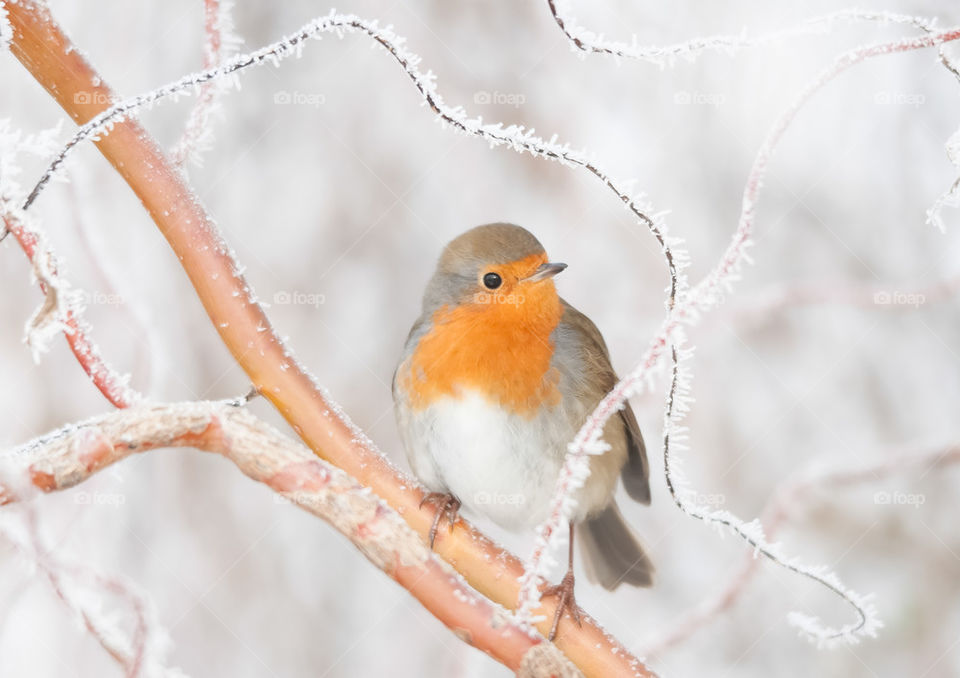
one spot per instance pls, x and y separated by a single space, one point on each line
502 466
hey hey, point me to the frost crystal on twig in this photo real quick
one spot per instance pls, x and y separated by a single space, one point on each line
6 30
219 44
586 41
950 197
62 307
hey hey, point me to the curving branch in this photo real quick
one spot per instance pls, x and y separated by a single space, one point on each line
586 41
230 303
59 312
784 503
67 457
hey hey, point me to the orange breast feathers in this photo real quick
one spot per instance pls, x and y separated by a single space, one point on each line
497 344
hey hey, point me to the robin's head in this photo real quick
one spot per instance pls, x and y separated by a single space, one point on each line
492 265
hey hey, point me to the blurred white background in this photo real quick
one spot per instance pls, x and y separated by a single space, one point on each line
350 195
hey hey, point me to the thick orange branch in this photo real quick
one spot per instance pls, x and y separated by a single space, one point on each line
245 329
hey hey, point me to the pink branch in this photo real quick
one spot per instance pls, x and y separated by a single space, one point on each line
219 43
109 382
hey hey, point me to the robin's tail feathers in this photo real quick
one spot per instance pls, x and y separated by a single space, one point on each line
612 553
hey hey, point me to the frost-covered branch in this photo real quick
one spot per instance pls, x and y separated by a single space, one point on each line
67 457
669 343
785 502
867 622
586 41
220 42
61 312
62 307
950 197
6 30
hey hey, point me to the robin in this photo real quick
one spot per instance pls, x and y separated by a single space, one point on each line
497 376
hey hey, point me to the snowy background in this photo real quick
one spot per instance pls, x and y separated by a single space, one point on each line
338 189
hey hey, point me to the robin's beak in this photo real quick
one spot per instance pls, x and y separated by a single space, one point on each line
544 271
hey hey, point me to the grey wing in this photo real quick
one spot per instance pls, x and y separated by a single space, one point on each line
636 472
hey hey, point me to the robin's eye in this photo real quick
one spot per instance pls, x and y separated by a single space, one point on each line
492 281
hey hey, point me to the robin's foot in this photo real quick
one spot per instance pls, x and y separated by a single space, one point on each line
447 506
565 601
